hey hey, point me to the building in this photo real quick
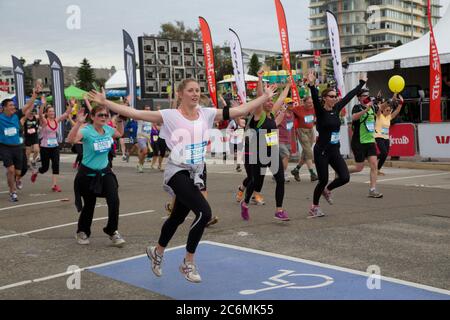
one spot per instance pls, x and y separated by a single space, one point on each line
7 79
262 55
366 28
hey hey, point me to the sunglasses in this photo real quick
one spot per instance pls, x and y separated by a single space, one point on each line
102 115
332 97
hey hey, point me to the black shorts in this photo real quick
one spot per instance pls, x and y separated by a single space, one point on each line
362 151
12 155
31 140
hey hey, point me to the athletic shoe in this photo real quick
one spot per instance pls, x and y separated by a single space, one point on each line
239 195
140 168
296 173
124 158
168 208
82 238
381 173
314 177
238 168
155 260
117 239
19 184
281 215
148 159
327 195
286 178
244 212
213 220
375 194
56 188
34 177
13 197
258 200
315 212
189 270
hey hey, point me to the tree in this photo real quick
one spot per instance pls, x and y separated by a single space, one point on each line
254 66
178 31
85 76
222 61
273 62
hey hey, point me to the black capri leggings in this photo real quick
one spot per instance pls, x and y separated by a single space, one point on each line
188 197
48 154
256 179
159 148
383 146
329 156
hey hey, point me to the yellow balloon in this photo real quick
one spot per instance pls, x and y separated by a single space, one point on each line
396 84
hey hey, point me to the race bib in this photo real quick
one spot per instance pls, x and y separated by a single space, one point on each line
10 132
289 125
20 140
370 125
155 138
385 131
195 153
309 119
31 130
147 128
52 142
334 138
102 145
237 136
271 139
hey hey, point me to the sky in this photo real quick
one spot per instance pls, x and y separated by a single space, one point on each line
31 27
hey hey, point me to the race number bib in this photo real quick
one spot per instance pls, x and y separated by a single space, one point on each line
155 138
370 125
147 128
10 132
102 145
289 125
309 119
52 142
385 131
271 139
195 153
334 138
31 131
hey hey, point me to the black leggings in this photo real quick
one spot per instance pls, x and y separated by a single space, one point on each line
255 180
188 197
48 154
78 149
383 146
329 156
110 192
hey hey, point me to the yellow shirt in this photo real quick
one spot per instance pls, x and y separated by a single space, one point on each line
382 126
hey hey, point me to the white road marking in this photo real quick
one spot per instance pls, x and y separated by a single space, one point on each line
33 204
412 177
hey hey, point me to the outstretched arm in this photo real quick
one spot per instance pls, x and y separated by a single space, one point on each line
280 101
341 104
399 108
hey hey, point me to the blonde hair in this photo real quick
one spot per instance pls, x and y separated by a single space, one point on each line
181 87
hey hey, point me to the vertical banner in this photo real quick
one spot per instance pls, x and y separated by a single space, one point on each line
333 34
282 26
59 101
209 60
19 79
435 75
129 55
238 66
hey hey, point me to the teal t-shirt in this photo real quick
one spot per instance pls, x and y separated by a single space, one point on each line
96 147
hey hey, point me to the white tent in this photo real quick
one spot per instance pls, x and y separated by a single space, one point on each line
119 80
5 95
248 78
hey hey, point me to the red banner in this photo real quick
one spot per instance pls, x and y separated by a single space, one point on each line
316 57
209 60
4 86
435 75
403 141
282 26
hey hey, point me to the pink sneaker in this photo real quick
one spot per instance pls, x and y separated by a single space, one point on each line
244 212
33 177
56 188
282 215
315 212
327 195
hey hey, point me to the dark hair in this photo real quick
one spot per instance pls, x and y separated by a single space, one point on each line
361 92
6 101
326 92
94 111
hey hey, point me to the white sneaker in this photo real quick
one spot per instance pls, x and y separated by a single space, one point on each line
286 177
315 212
82 238
189 270
155 260
117 240
140 168
19 184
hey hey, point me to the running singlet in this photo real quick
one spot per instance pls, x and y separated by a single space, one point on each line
50 135
96 147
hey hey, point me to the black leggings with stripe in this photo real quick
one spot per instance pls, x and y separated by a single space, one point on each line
188 198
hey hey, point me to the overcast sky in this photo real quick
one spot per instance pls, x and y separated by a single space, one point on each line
31 27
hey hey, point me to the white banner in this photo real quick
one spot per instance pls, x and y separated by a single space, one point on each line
238 65
434 140
333 34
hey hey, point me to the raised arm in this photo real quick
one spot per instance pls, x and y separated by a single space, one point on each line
42 119
29 105
280 101
75 135
65 115
399 108
152 116
341 104
311 77
87 103
246 108
260 86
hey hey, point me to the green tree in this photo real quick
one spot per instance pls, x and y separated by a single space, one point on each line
254 66
178 31
85 76
274 62
222 61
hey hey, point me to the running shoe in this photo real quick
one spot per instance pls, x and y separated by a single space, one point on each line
155 260
258 200
124 158
327 195
190 272
375 194
282 215
315 212
34 177
381 173
19 184
213 220
244 211
296 173
13 197
82 238
117 239
238 168
286 177
314 177
140 168
239 195
56 188
168 208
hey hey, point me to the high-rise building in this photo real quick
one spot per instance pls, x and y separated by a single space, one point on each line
375 22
